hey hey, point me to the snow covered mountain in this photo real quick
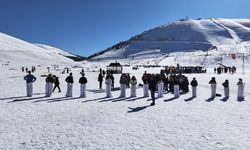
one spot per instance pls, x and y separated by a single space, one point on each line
214 36
14 51
58 51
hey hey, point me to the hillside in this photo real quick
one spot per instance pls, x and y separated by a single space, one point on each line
14 51
186 35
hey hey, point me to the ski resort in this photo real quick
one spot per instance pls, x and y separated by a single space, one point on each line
182 85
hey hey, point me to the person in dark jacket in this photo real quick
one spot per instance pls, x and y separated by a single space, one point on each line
123 80
29 80
83 81
194 85
213 87
226 88
145 79
100 79
152 87
57 83
70 82
49 85
113 81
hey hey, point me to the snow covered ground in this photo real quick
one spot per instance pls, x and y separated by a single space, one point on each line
102 123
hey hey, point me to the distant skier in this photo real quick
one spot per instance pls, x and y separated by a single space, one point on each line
226 88
133 83
160 86
49 85
194 85
70 82
108 83
57 83
100 79
83 81
22 69
123 80
29 80
113 82
241 87
145 79
213 87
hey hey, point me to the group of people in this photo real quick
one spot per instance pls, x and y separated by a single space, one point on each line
224 69
52 79
175 84
225 84
33 69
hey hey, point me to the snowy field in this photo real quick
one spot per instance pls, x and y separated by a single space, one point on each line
98 123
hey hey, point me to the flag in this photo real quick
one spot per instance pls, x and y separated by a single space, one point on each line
233 56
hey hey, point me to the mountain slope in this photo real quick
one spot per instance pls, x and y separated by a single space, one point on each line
186 35
14 51
58 51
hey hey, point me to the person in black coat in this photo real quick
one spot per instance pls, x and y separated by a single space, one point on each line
152 87
70 82
194 85
83 81
213 87
57 83
100 79
226 88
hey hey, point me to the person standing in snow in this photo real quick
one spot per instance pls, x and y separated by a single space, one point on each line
194 85
108 83
241 86
113 81
123 80
83 81
29 80
100 79
145 84
226 88
57 83
213 87
160 86
176 87
152 87
49 85
70 82
133 83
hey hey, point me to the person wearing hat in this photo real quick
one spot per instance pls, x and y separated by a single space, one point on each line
194 85
70 82
241 86
83 81
49 85
29 80
226 88
213 87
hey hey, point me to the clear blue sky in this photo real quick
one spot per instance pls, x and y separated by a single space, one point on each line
88 26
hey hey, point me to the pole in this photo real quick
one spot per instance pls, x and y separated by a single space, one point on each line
243 64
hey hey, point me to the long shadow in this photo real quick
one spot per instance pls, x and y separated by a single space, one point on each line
189 99
48 99
136 109
39 94
26 99
91 100
135 98
210 99
7 98
64 99
225 99
170 99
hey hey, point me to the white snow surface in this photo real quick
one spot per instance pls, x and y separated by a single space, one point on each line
99 123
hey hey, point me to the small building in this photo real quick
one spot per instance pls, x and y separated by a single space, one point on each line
114 68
